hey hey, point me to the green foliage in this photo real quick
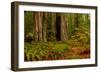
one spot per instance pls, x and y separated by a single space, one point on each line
29 37
51 34
70 25
28 22
80 40
38 51
60 48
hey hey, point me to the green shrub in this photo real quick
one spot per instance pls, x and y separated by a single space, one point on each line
41 50
60 48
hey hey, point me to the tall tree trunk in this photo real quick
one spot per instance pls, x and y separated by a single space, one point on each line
36 27
63 28
40 26
53 26
73 23
58 25
44 27
76 20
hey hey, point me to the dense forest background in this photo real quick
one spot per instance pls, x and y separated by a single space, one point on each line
53 36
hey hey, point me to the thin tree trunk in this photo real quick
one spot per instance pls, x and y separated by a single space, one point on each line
44 27
76 20
73 23
40 26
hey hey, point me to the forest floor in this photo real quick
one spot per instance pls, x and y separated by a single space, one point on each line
56 51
